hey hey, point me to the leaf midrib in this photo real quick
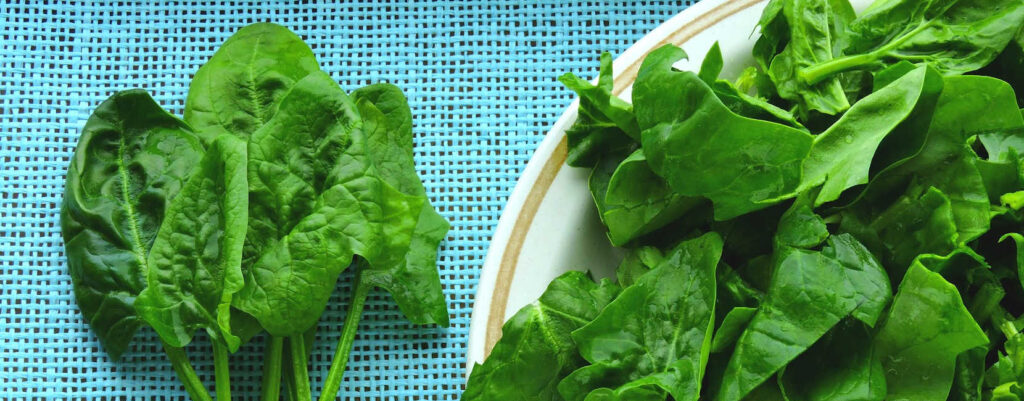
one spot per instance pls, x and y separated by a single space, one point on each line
133 222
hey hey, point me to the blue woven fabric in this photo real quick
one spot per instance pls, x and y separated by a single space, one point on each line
481 79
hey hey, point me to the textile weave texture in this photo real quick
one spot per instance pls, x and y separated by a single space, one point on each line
481 80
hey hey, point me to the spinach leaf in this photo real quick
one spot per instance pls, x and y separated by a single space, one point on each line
636 263
314 202
808 38
736 100
854 372
535 349
916 222
953 36
605 123
690 137
946 161
638 202
407 269
239 89
195 260
810 293
799 226
655 337
926 328
841 156
132 160
732 326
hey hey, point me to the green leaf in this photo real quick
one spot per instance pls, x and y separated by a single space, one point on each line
407 268
736 100
969 375
799 226
132 159
953 36
841 156
810 42
605 123
314 201
535 350
239 89
195 261
655 337
732 326
966 107
690 137
638 201
927 327
853 373
636 263
915 223
810 293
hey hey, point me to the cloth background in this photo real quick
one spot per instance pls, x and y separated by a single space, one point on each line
481 79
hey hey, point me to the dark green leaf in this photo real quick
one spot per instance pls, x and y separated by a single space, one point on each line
842 366
927 327
656 336
132 159
535 350
690 139
638 202
810 293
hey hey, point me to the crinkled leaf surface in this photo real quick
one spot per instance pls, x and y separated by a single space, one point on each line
638 201
132 159
407 268
605 124
656 336
195 261
314 202
239 89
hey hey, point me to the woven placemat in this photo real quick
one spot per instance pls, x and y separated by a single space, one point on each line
481 79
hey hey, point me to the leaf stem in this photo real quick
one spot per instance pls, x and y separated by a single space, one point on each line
183 368
300 368
817 73
221 372
348 336
271 386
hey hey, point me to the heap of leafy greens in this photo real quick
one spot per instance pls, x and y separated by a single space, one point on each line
240 218
844 222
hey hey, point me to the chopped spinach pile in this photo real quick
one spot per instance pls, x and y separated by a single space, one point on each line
239 218
842 222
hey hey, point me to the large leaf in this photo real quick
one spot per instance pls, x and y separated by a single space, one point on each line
927 327
841 156
406 267
239 89
536 350
810 293
690 138
953 36
315 201
132 159
656 336
854 372
195 261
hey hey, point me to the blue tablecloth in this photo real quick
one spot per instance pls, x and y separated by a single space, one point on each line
481 78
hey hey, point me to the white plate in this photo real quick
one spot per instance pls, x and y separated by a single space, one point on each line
550 224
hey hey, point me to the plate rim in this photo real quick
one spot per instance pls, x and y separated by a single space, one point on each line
491 300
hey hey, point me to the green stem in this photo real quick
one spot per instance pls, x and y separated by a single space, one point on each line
221 372
183 368
271 387
348 336
300 368
817 73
